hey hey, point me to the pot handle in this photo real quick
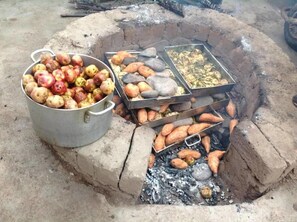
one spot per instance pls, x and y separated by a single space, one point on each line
90 113
33 54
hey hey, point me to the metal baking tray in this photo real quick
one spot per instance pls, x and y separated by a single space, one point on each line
208 130
216 105
201 91
152 102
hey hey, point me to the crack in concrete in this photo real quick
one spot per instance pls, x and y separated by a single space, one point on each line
123 168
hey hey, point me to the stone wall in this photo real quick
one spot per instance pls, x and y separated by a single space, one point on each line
259 156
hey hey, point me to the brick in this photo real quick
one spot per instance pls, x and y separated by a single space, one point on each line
202 33
134 173
187 30
238 176
276 131
171 31
258 153
103 160
214 38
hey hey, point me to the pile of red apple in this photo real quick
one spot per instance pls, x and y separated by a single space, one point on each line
64 82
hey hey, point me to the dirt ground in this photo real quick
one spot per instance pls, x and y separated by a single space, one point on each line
33 184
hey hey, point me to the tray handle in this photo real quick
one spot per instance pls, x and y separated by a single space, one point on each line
90 113
196 142
33 54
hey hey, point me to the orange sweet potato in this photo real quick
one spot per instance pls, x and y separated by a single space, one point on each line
124 54
151 161
133 67
206 143
142 116
159 142
117 60
187 152
217 153
163 108
131 90
178 164
231 109
151 115
198 127
146 71
143 86
232 124
208 117
167 129
213 163
177 135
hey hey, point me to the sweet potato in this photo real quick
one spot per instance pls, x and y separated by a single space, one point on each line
206 143
198 127
151 115
213 163
120 110
151 161
124 54
187 152
208 117
232 124
177 135
143 86
163 108
167 129
231 109
217 153
117 60
142 116
178 164
133 67
159 142
131 90
145 71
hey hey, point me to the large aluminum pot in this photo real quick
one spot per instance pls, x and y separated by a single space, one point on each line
71 128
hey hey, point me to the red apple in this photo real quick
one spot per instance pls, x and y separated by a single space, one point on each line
78 70
59 75
80 96
98 94
70 75
70 92
63 58
38 67
90 85
77 60
99 78
52 65
39 73
46 80
59 88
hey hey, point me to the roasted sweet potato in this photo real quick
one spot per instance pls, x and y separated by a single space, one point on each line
206 143
151 115
197 128
133 67
146 71
217 153
231 109
177 135
208 117
213 163
143 86
232 124
178 164
159 142
131 90
188 152
124 54
164 108
151 161
167 129
142 116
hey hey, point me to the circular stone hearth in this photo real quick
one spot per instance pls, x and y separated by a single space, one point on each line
263 145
